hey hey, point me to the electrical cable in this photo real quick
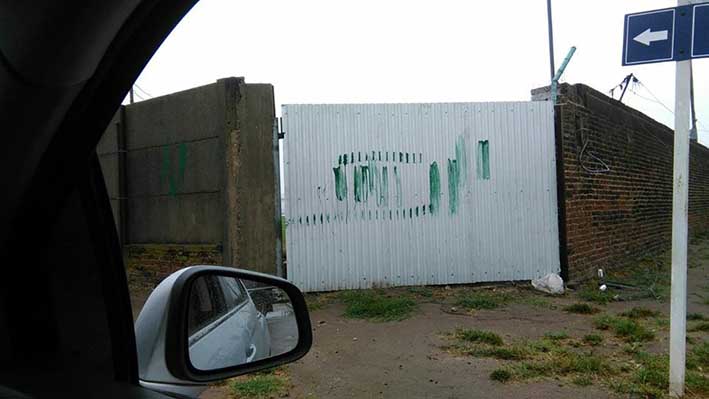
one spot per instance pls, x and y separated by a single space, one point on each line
142 90
604 166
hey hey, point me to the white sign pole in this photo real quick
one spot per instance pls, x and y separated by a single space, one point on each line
680 205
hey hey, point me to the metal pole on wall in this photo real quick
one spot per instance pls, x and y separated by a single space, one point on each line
557 75
680 205
552 67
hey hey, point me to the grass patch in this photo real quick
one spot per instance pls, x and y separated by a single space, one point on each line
318 301
651 378
593 339
640 313
651 276
593 294
536 301
581 308
377 306
703 326
662 323
500 375
698 357
556 335
482 300
627 329
481 343
582 380
562 363
424 292
695 317
479 336
496 352
260 386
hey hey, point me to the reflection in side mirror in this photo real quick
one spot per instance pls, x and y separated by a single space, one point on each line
231 322
209 323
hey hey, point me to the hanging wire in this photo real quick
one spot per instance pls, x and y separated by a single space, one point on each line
604 168
142 90
656 99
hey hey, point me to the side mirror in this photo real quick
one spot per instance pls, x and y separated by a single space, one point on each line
208 323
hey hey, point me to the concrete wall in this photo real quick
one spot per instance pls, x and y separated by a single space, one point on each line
252 191
619 215
175 168
111 157
197 169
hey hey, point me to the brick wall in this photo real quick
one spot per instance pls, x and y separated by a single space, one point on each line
621 213
148 264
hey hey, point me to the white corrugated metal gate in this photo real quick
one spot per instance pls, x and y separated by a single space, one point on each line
413 194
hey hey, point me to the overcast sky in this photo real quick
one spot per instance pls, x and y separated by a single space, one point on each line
318 51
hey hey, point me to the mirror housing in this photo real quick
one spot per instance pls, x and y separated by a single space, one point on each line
162 333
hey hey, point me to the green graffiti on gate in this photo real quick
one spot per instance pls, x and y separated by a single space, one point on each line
340 183
434 183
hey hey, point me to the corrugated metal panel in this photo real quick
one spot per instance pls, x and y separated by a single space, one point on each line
386 228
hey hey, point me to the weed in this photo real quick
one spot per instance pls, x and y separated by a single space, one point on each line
699 356
629 330
375 305
593 294
582 380
561 363
603 322
651 276
542 346
501 375
556 335
662 323
581 308
697 383
479 336
425 292
593 339
703 326
317 301
640 313
649 378
482 300
695 317
259 386
496 352
536 301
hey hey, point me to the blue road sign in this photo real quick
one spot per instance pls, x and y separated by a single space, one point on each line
670 34
700 31
649 37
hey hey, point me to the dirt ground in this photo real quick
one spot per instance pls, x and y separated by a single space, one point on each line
356 358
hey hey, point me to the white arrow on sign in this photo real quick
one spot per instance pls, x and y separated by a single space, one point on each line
649 36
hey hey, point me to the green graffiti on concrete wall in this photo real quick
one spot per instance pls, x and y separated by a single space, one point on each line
166 176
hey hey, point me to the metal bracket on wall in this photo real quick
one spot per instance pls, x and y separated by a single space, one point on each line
279 127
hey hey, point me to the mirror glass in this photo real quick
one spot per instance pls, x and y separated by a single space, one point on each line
234 321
